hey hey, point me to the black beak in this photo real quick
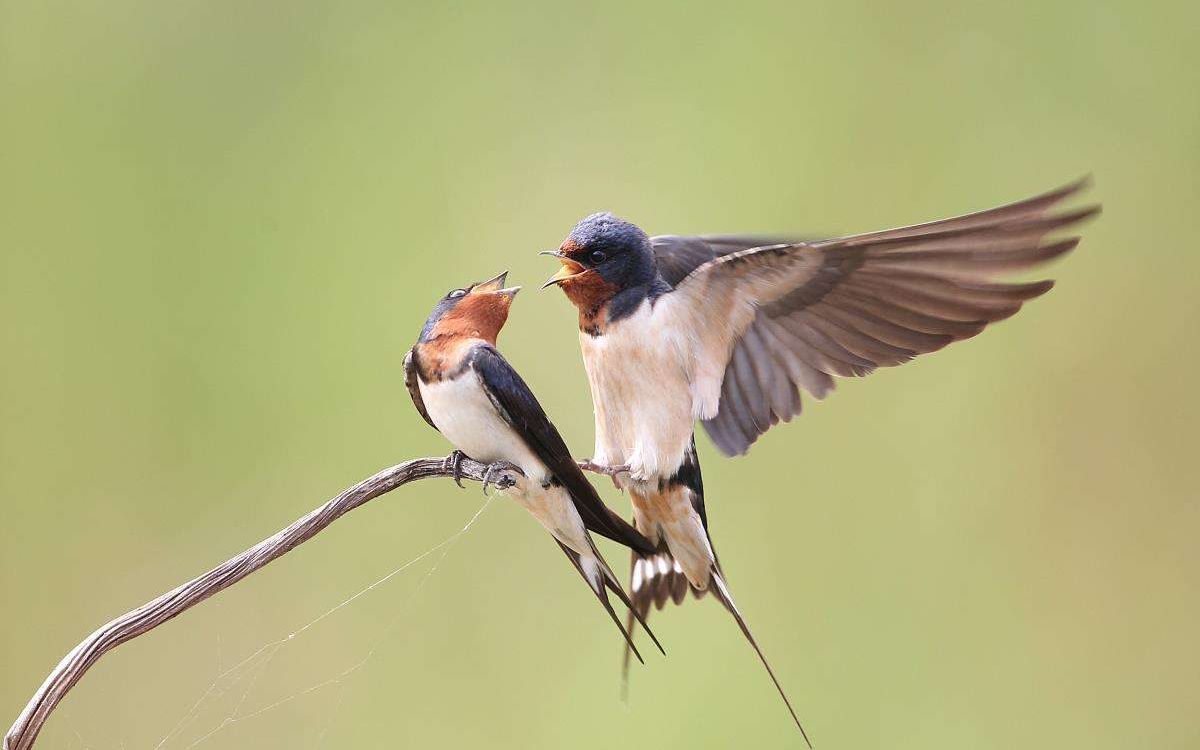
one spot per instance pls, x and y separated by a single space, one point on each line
569 267
491 284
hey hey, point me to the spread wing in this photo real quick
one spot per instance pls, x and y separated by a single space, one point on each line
517 405
797 314
677 256
414 389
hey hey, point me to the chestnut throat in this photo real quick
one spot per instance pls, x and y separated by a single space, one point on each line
443 357
601 303
591 294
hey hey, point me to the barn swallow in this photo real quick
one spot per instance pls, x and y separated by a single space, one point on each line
728 330
466 390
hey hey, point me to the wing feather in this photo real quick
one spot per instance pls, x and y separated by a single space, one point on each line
795 313
518 406
414 387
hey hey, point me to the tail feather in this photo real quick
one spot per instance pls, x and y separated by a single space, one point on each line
657 578
721 592
654 579
633 616
630 625
609 581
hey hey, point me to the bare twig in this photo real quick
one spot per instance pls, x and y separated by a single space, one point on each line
150 615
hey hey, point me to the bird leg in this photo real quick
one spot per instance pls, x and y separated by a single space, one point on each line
587 465
610 471
505 481
453 464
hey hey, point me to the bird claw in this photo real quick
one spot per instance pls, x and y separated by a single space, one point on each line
504 482
609 471
453 464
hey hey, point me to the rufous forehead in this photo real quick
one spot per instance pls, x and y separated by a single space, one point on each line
570 247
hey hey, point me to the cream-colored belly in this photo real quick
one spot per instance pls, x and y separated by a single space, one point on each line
467 418
641 395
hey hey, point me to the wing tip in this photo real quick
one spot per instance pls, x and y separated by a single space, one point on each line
1034 289
1079 184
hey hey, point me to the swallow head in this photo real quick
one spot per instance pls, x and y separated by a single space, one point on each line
477 311
601 257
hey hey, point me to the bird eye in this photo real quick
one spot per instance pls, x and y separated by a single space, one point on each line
598 256
457 293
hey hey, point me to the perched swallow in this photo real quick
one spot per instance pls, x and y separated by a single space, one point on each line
727 330
467 391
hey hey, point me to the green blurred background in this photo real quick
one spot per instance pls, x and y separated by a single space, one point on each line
222 224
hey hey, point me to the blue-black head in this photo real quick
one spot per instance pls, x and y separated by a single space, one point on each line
601 257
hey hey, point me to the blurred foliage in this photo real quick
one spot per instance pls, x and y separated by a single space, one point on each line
222 224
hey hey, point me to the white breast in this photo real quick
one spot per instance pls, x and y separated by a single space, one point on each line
463 413
640 388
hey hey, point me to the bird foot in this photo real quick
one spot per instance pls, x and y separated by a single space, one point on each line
505 481
609 471
453 465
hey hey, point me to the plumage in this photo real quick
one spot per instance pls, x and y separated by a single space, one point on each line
412 383
728 330
515 404
463 387
882 297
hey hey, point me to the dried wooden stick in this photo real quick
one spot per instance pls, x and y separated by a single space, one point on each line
150 615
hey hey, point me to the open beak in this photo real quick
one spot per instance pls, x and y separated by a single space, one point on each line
569 268
493 284
509 292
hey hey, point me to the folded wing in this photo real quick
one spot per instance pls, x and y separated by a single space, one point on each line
414 388
517 405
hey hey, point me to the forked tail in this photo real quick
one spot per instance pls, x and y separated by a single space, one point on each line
657 578
654 579
598 576
721 592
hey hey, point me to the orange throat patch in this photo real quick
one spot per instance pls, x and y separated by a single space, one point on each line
479 317
590 294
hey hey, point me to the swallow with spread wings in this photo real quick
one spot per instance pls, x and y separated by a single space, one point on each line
728 330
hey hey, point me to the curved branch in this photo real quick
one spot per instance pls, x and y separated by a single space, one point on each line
150 615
